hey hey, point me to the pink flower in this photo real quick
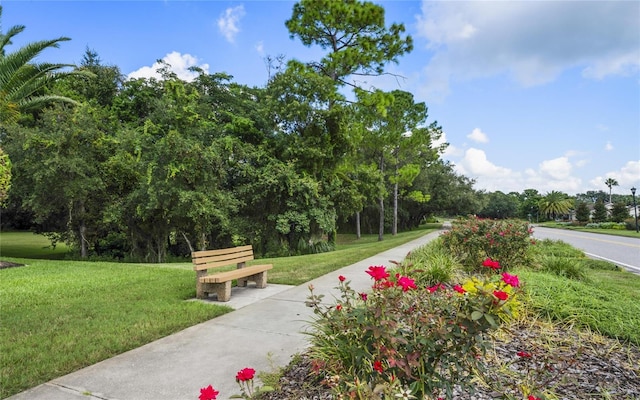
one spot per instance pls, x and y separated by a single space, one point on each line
523 354
406 283
377 365
511 280
459 289
378 272
208 393
245 374
500 294
491 264
342 278
363 296
532 397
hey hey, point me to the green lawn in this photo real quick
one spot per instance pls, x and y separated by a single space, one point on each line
30 245
59 316
615 232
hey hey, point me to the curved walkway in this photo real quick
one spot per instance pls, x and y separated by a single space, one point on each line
262 333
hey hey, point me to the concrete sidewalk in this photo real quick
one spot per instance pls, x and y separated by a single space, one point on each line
262 333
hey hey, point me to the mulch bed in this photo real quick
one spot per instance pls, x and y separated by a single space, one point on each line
7 264
572 364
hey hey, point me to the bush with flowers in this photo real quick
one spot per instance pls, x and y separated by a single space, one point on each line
473 240
401 340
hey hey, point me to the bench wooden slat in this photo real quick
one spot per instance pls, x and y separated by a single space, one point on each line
214 262
233 250
235 274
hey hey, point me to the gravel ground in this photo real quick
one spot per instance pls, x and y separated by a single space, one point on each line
568 363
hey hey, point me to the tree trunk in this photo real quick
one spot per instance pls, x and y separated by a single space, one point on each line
394 224
381 226
358 233
394 227
84 252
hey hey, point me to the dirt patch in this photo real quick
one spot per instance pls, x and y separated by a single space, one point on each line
7 264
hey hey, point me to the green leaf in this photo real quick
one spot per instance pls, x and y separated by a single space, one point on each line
476 315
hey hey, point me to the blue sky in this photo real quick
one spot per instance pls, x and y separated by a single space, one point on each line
530 94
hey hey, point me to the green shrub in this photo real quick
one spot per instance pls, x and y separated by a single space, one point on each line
630 224
571 268
402 340
430 264
474 240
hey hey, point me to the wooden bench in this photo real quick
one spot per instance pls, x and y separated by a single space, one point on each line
220 283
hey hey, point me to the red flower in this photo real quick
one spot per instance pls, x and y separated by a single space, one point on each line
378 272
532 397
459 289
491 264
433 288
406 283
377 365
511 280
208 393
523 354
342 278
363 296
339 307
245 374
500 294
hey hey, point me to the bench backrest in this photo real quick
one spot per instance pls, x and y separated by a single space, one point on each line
222 257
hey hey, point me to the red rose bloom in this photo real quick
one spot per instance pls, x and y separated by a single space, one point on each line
363 296
406 283
523 354
491 264
378 272
500 294
342 278
245 374
377 365
208 393
339 307
511 280
459 289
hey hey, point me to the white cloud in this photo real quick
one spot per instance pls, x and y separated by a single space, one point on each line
531 41
229 21
478 136
627 176
556 169
608 146
450 151
180 64
260 48
554 174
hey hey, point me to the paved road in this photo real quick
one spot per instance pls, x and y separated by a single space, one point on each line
622 251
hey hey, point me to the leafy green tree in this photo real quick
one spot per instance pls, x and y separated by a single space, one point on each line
599 212
22 81
528 207
555 204
583 214
499 205
58 173
355 34
619 212
610 182
5 176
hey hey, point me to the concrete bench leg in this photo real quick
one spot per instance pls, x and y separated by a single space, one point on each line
261 280
223 290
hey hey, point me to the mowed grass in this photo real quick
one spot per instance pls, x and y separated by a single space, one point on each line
614 232
590 293
30 245
59 316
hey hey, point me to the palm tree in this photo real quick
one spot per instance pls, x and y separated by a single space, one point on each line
555 203
610 182
21 80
